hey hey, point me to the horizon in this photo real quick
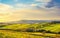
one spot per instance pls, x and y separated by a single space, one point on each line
25 20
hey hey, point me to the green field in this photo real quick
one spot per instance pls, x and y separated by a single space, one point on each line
36 30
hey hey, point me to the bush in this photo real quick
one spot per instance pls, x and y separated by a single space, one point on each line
41 30
48 32
30 30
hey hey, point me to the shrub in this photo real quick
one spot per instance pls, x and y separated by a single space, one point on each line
30 30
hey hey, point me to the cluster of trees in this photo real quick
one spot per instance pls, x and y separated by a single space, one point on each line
33 30
54 22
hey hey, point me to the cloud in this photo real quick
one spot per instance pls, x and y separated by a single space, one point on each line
8 13
21 6
35 3
33 11
5 8
5 11
43 1
42 14
54 3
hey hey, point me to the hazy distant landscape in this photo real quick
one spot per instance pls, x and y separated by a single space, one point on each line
30 29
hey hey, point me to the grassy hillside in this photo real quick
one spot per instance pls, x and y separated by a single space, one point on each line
36 26
36 30
13 34
53 28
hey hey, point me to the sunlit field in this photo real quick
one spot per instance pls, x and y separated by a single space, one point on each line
35 30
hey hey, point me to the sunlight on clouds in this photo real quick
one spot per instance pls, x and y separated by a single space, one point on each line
4 9
21 5
29 14
27 11
43 3
5 12
37 14
39 3
33 5
25 5
43 0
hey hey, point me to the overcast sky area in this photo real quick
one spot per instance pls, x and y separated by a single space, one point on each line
14 10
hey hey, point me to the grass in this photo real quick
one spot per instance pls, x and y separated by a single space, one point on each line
53 28
9 31
12 34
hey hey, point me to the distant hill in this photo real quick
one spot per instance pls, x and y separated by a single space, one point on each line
31 21
35 21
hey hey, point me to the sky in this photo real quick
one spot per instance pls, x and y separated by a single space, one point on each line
15 10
